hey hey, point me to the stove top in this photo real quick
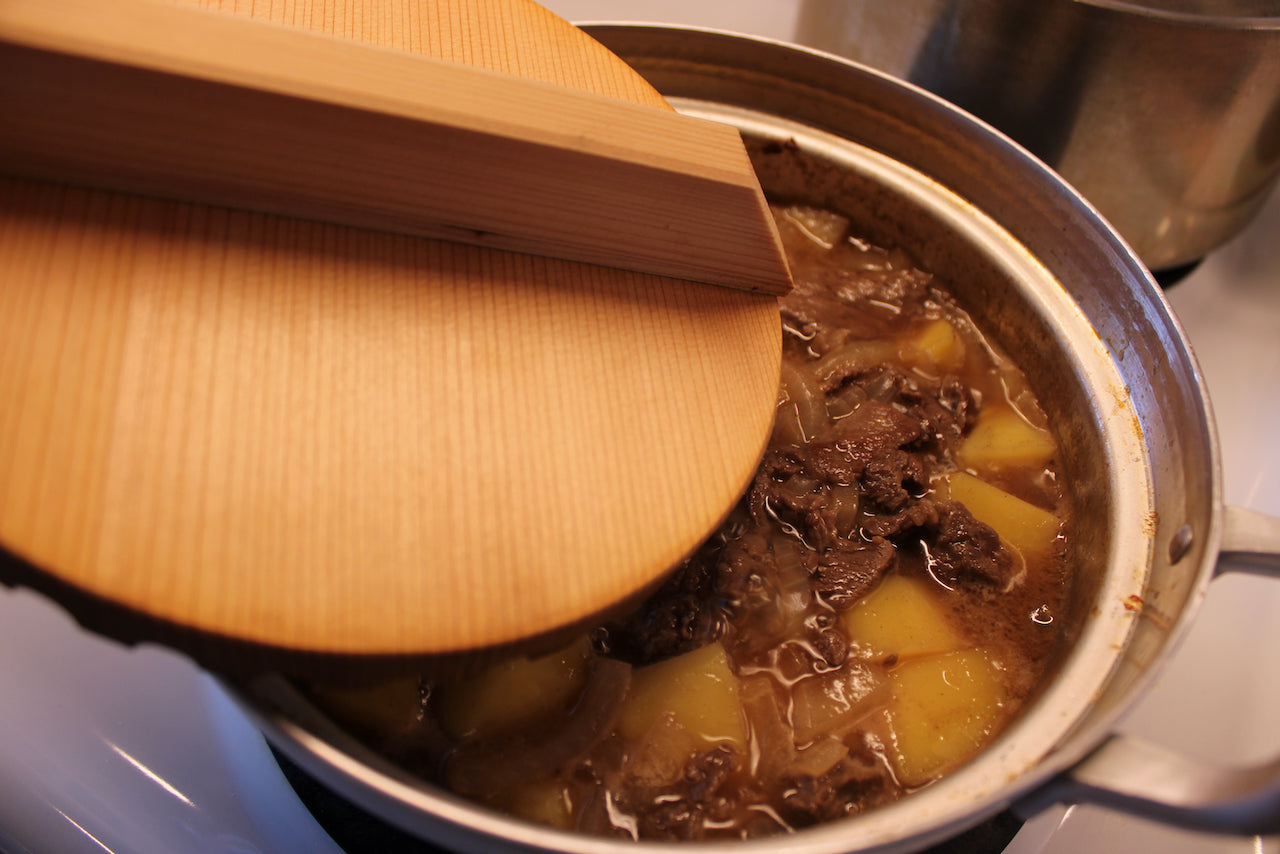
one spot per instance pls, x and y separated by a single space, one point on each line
104 748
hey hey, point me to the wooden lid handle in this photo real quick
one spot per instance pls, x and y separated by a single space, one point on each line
181 103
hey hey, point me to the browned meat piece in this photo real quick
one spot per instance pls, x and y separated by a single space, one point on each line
683 810
889 482
708 771
944 410
682 615
829 646
967 553
918 514
871 431
847 574
849 787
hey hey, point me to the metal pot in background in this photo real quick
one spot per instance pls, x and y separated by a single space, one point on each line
1165 114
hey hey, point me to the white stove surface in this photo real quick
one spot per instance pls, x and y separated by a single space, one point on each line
135 751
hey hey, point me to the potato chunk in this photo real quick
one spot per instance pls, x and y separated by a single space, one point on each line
513 693
936 347
944 708
901 617
393 706
1029 529
540 801
1003 439
697 690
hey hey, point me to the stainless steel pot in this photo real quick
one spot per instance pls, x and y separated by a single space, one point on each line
1042 272
1163 113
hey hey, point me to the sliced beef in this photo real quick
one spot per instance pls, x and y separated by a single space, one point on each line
874 429
709 770
907 522
681 616
684 810
859 302
945 410
891 481
907 410
967 553
855 783
848 573
785 494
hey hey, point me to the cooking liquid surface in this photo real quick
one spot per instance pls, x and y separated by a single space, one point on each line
882 602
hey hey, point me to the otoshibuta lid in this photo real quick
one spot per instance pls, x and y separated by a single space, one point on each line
275 443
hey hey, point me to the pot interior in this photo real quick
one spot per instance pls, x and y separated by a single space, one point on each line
1039 272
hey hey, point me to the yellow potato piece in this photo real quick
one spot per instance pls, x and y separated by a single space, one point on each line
514 693
542 802
391 706
901 617
697 690
1029 529
937 346
944 709
1003 439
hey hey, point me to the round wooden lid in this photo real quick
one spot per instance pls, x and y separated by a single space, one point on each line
314 438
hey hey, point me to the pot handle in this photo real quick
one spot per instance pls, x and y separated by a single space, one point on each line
1250 542
1143 779
1136 777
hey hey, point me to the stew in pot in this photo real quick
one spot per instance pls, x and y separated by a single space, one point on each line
885 598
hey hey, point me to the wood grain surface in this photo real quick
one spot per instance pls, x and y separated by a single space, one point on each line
170 101
318 438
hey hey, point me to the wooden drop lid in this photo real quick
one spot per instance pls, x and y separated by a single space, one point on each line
272 441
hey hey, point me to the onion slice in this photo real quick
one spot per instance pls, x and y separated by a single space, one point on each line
485 768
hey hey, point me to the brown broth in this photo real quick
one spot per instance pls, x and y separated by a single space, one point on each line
769 684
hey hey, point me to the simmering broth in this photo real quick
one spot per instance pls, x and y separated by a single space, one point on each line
883 601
